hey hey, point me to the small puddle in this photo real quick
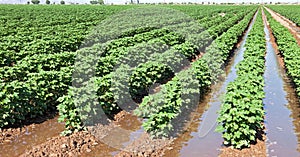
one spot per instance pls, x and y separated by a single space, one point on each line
129 129
281 106
42 132
200 139
32 137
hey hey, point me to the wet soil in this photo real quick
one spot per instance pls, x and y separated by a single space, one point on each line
293 28
73 145
10 133
145 146
77 144
281 128
128 138
98 141
17 139
255 150
200 139
184 139
114 139
282 120
30 141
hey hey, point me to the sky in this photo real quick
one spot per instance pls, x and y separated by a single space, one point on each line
147 1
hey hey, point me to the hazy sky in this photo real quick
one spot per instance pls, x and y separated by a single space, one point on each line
151 1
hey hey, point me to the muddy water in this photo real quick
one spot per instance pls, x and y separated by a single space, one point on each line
282 108
34 135
200 138
129 129
188 143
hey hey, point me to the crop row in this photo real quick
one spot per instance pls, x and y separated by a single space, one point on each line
289 11
189 46
289 50
33 97
40 79
119 43
164 109
241 114
64 32
109 97
53 40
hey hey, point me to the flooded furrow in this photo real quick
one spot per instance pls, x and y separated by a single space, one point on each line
204 135
34 135
286 23
200 139
125 132
281 106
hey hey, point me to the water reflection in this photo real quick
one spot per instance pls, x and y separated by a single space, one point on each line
281 105
200 138
32 137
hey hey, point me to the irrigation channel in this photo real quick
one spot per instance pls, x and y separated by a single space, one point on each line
186 145
281 105
201 138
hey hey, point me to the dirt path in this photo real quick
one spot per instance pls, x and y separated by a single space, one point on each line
293 28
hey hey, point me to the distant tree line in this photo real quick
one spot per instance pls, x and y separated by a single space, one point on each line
47 2
63 2
97 2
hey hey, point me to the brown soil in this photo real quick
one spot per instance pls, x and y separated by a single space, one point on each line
89 143
99 141
73 145
118 132
9 133
293 28
257 150
145 146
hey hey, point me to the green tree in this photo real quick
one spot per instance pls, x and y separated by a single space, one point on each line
93 2
62 2
47 1
35 1
97 2
101 1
